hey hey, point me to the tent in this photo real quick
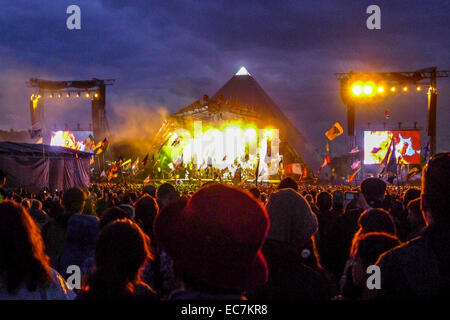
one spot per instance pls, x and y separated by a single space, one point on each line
34 167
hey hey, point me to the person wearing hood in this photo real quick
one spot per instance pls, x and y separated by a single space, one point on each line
294 267
82 232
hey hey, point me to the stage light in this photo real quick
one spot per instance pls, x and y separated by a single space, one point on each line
51 95
393 89
250 134
68 94
39 96
380 89
368 90
405 89
87 95
77 95
418 88
59 95
357 89
96 95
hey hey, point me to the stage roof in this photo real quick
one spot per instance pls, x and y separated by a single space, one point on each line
244 89
38 149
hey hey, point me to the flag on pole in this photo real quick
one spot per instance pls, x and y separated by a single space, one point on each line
103 147
135 164
126 162
336 130
324 163
350 179
389 163
89 143
356 164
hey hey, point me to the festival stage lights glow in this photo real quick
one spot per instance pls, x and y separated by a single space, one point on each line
88 94
231 145
405 89
380 89
357 89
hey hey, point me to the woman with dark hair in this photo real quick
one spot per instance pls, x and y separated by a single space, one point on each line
369 247
111 215
25 272
371 220
120 253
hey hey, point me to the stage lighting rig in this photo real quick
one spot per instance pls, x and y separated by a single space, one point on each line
368 87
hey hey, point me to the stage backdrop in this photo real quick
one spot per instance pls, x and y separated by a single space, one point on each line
36 166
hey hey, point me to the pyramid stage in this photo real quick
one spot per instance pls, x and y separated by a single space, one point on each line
237 133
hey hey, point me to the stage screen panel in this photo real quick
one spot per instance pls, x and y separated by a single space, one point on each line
406 142
70 139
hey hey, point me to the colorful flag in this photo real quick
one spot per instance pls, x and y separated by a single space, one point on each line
293 168
126 162
336 130
89 143
324 163
356 164
103 147
135 164
147 180
350 179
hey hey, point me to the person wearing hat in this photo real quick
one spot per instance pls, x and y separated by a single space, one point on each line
294 268
215 240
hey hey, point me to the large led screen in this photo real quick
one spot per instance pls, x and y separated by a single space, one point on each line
406 142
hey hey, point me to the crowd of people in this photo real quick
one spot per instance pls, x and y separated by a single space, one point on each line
215 241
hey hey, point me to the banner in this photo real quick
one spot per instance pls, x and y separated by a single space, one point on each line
293 168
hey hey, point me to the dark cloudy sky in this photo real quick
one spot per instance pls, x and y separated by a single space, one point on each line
166 54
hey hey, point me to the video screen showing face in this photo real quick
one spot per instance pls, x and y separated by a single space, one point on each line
406 144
